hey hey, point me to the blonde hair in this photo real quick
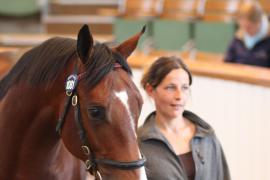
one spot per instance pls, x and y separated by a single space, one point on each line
251 10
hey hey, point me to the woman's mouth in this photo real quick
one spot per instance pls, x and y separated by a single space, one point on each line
177 106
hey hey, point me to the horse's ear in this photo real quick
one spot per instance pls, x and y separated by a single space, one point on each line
84 43
128 46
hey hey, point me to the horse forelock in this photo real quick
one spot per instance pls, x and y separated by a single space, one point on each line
101 62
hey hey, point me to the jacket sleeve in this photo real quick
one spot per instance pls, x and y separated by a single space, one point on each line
223 165
230 55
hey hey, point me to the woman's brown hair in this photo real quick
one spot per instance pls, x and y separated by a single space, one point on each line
160 68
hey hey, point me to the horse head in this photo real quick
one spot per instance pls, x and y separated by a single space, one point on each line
100 111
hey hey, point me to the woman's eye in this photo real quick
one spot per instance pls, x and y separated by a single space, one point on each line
185 88
96 112
170 87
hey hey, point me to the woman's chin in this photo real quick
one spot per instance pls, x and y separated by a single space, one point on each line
176 113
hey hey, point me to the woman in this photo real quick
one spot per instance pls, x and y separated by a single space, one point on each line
251 44
177 144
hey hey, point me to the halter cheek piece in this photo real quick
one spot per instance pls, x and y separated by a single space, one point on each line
92 162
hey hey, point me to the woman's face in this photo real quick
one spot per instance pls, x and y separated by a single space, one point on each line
171 95
251 28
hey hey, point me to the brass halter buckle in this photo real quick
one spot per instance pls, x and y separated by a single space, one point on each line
68 93
74 100
86 150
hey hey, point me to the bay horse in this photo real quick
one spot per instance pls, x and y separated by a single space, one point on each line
66 102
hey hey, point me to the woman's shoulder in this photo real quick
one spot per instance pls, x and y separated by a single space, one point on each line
205 135
203 128
237 39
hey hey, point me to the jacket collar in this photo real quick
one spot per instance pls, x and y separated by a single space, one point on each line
149 130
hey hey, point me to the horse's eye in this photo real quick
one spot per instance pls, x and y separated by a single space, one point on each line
96 112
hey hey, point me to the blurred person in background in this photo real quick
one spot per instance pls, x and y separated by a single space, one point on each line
177 144
251 44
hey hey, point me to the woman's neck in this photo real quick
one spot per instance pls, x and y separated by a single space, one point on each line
171 124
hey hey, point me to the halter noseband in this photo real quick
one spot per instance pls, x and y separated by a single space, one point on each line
92 162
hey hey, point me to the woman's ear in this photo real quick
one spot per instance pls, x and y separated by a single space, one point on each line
149 90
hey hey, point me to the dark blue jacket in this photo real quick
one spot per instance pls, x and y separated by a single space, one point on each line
259 55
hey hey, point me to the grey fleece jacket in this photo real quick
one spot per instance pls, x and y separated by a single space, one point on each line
162 162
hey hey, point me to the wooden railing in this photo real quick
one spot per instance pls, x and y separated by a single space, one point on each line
210 68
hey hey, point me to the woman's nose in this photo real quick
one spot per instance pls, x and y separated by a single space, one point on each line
178 94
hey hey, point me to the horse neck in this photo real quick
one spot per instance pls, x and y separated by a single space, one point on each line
27 130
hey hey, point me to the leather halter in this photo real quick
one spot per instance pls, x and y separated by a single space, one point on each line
92 161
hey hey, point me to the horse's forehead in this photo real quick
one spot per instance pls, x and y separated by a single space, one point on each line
116 81
123 97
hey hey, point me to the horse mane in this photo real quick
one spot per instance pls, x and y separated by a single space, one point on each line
44 64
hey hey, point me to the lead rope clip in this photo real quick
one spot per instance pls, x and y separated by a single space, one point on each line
98 175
